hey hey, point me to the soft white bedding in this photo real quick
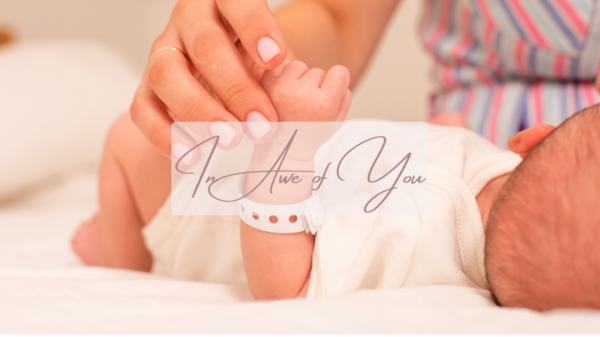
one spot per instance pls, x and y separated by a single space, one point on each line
43 288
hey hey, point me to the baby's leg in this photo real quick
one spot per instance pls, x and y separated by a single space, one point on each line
134 183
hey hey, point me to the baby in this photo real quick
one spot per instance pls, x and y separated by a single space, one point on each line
527 231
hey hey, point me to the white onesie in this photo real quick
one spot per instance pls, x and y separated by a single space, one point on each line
441 245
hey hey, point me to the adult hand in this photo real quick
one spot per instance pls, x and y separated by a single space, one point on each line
206 31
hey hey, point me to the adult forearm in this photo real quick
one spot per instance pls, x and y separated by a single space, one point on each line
324 33
312 34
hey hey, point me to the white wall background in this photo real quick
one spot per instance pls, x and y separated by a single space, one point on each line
395 86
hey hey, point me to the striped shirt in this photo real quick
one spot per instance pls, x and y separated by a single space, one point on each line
510 64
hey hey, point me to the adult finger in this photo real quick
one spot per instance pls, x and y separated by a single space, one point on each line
215 56
257 29
170 77
150 116
256 70
523 142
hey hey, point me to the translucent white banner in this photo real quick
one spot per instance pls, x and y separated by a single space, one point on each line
354 167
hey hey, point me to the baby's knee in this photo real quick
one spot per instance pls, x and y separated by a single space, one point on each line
124 134
120 129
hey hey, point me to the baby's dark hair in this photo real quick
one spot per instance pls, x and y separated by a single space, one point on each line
543 234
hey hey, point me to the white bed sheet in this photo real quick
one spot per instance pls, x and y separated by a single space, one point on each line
44 288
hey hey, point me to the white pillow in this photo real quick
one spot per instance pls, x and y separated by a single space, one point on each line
58 99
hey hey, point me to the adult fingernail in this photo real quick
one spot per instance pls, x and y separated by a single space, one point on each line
257 124
268 49
225 132
179 150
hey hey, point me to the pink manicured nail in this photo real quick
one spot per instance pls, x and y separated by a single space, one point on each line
268 49
257 124
225 132
179 150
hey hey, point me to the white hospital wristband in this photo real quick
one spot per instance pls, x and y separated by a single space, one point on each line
306 216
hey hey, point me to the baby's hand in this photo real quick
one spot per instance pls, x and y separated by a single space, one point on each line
277 266
302 95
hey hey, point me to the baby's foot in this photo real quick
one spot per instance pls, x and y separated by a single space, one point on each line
87 242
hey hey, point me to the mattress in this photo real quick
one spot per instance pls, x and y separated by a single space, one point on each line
44 288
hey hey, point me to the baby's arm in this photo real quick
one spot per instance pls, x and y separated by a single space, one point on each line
278 265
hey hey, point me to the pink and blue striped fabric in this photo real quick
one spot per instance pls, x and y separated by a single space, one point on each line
511 64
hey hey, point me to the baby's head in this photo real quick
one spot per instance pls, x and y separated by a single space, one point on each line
543 233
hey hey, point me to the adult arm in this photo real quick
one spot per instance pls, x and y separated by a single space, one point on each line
325 33
322 33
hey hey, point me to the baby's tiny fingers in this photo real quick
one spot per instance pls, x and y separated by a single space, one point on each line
344 107
315 76
336 82
295 70
275 73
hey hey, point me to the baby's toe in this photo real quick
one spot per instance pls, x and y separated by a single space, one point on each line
75 242
336 82
77 246
77 235
80 233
